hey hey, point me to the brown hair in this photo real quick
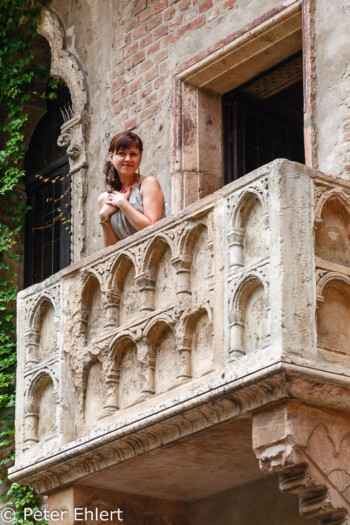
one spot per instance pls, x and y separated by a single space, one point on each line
123 140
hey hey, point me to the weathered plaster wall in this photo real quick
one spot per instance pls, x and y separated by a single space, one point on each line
332 30
128 51
256 502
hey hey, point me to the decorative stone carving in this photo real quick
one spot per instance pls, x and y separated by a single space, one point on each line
308 446
73 136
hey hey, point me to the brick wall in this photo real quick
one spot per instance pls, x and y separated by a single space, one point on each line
143 60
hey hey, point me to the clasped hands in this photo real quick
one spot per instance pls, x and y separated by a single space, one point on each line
110 202
115 198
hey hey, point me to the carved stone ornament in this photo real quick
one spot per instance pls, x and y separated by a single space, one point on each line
309 447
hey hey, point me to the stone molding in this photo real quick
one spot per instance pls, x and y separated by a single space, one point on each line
223 401
309 447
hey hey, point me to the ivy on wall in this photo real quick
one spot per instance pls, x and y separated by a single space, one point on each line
17 85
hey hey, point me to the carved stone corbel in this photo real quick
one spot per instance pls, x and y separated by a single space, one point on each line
308 446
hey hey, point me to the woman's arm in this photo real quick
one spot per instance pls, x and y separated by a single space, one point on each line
105 212
153 203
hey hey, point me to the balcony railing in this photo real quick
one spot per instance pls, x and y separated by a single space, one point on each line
181 313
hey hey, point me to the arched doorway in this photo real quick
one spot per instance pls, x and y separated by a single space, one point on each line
47 238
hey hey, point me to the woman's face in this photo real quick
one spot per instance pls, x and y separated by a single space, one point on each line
126 161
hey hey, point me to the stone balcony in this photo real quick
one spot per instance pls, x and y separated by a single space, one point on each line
207 318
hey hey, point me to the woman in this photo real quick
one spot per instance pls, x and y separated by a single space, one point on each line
133 202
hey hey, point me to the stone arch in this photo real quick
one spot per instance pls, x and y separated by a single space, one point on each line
125 288
248 234
92 308
128 369
162 342
333 315
197 251
199 334
249 316
42 334
66 66
95 391
40 418
332 228
160 270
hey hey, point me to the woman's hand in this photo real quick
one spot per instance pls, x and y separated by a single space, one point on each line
117 198
106 209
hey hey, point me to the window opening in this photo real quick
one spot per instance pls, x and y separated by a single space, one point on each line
263 120
47 240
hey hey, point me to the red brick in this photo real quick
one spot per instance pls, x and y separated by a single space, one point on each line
152 98
124 41
124 92
189 16
130 75
153 48
159 32
139 31
169 13
169 39
163 67
136 84
139 6
145 15
161 56
156 20
159 6
175 23
146 40
130 50
130 124
150 74
117 84
183 5
198 22
146 65
137 58
146 114
146 91
228 4
205 5
160 81
132 24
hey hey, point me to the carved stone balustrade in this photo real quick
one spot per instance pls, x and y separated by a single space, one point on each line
239 302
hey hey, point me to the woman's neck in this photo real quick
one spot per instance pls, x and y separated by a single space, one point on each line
129 180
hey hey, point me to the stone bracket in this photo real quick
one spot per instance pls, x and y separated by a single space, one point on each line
309 447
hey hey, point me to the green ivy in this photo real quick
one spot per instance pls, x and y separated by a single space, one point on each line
17 79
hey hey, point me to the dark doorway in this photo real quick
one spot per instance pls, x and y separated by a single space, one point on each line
263 120
47 239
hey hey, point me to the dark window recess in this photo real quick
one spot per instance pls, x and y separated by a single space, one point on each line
47 240
263 120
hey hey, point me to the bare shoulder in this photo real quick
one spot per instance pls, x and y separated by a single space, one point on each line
150 183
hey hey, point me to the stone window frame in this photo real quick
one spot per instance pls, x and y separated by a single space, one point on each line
74 132
198 86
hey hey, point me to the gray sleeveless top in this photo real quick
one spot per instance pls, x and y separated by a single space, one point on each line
120 224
